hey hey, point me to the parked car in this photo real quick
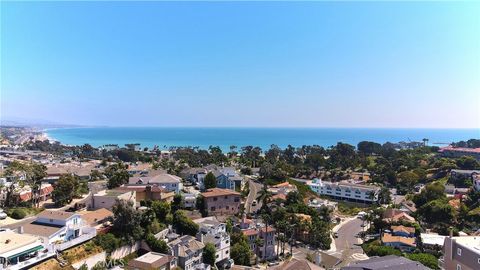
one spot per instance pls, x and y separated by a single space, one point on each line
3 215
254 203
335 235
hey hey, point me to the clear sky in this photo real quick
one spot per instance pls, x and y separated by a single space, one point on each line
310 64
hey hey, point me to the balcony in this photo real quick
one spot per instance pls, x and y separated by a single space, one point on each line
87 234
42 256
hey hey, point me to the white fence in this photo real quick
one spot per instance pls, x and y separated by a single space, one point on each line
125 250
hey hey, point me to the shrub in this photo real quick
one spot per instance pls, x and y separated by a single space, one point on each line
108 242
18 214
424 258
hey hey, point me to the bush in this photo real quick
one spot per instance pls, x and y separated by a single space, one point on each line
18 214
424 258
108 242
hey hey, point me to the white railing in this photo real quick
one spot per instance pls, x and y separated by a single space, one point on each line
40 257
88 233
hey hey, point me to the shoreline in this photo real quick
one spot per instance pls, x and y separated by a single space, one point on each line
170 137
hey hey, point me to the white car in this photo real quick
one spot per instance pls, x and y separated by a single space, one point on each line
3 215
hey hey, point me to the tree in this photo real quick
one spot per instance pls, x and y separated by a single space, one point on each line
431 192
157 245
408 179
209 254
107 241
161 209
65 189
437 211
210 181
177 202
384 196
126 221
426 259
241 253
183 224
467 163
264 196
117 175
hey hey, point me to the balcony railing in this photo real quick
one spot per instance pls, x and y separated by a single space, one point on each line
88 233
24 264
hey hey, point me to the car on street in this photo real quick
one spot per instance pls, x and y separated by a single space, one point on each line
335 234
254 202
3 215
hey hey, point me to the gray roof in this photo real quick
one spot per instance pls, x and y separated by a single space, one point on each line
390 262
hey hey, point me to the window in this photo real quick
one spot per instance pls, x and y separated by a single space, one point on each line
212 208
237 199
227 207
215 199
225 197
459 251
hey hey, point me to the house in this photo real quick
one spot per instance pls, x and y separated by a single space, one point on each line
149 192
195 176
167 181
19 251
153 260
256 230
282 188
456 152
227 178
296 264
219 201
408 207
461 253
390 262
432 241
400 242
345 190
108 198
64 229
396 215
97 217
189 200
403 231
318 204
326 260
189 252
214 232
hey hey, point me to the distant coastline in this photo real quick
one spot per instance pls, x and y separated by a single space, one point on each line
165 137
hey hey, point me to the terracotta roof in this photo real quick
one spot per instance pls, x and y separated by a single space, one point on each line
402 228
388 238
460 149
250 232
279 197
50 214
214 192
284 184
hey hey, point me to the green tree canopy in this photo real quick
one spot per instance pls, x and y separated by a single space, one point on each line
210 181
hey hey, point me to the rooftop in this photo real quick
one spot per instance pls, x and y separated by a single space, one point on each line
10 240
214 192
58 215
390 262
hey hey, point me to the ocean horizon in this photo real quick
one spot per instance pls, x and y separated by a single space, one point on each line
224 137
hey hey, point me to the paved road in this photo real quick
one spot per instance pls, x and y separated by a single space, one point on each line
252 195
347 244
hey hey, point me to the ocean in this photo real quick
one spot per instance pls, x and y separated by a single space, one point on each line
165 137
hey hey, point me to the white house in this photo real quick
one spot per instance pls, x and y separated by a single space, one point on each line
189 252
64 229
19 251
170 182
214 232
344 190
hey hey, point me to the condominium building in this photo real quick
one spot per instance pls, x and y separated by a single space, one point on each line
345 190
461 253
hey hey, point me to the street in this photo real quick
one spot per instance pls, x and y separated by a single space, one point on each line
252 195
347 245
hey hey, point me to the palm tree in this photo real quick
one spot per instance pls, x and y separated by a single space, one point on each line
425 141
264 196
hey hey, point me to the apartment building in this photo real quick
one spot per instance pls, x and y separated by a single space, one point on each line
461 253
214 232
219 201
345 190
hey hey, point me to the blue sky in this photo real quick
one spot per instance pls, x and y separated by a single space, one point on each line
310 64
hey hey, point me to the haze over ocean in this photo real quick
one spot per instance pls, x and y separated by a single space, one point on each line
263 137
